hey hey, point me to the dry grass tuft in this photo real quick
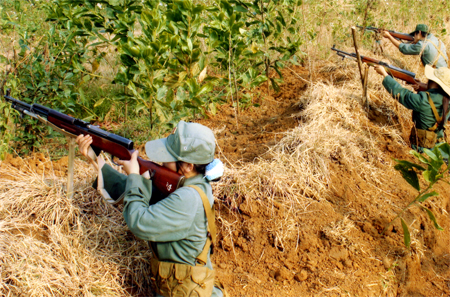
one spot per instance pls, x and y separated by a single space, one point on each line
52 245
339 231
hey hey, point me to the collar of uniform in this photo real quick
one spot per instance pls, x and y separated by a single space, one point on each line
195 180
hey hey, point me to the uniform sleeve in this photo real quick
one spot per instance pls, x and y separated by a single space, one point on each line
168 220
406 97
410 49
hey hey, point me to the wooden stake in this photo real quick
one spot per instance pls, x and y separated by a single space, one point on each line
358 58
71 142
366 79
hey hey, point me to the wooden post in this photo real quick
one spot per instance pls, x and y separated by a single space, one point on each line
364 77
358 58
71 142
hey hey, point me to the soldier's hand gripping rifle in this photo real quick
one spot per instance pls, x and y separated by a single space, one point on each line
397 35
405 75
164 179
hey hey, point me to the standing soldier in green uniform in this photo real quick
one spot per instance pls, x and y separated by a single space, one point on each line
430 108
180 227
431 50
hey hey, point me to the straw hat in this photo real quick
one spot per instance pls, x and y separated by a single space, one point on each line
440 75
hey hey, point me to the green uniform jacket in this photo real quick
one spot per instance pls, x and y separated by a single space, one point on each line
176 225
423 116
429 53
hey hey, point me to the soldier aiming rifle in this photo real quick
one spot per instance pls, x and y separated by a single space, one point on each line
430 108
430 49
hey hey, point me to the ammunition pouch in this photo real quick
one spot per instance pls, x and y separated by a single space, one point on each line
182 280
423 138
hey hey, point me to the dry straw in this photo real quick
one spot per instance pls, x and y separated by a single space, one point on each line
54 246
334 129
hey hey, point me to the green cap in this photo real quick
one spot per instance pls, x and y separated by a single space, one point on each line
420 27
190 142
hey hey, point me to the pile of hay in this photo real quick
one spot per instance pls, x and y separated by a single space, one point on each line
51 245
334 129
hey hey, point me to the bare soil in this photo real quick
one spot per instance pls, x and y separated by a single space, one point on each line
356 261
364 262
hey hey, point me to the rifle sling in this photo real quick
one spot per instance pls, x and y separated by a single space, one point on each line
211 238
440 121
439 53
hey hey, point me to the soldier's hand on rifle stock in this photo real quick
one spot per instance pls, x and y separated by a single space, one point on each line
132 165
380 70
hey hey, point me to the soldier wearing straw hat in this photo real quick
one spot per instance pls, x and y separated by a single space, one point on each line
430 108
180 228
431 50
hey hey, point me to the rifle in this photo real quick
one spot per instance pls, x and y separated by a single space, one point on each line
397 35
405 75
163 178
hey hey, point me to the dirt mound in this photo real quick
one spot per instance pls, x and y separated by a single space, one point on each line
328 243
38 163
309 187
247 134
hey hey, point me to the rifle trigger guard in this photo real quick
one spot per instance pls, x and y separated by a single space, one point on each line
112 160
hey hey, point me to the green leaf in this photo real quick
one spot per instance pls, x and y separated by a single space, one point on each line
408 165
436 160
82 97
205 89
427 195
258 81
127 60
189 43
431 175
419 156
431 154
99 102
240 8
227 7
406 235
445 149
409 175
281 18
433 218
275 85
88 24
161 93
212 108
213 37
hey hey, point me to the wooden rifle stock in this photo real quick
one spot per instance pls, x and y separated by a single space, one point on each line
163 178
395 73
401 36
